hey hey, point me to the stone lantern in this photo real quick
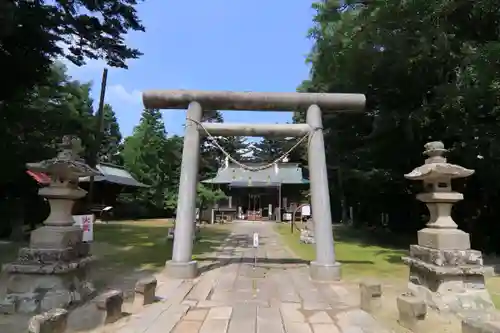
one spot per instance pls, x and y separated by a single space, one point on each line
443 268
51 272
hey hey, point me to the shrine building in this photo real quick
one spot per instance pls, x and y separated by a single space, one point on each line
268 194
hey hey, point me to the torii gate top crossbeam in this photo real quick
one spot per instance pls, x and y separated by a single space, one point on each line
258 101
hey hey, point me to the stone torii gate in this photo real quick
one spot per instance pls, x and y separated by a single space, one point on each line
325 267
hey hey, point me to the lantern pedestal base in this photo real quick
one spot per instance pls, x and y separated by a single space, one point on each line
449 280
444 239
38 287
51 273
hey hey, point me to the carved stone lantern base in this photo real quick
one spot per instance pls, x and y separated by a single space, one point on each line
51 273
39 288
449 280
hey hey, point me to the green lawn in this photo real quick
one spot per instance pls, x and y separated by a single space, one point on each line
364 255
143 245
359 254
493 285
135 245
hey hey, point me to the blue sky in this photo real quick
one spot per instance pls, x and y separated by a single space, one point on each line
209 45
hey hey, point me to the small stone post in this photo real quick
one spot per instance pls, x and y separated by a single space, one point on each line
145 292
110 305
52 321
412 312
443 268
370 296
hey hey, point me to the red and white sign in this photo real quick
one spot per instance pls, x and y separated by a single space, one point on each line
86 222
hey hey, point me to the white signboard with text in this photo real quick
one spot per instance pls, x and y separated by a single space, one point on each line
86 222
255 239
306 210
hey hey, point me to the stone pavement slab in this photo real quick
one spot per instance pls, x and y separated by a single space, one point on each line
243 319
236 296
214 325
269 320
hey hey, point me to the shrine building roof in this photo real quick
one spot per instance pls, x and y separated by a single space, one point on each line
114 174
282 173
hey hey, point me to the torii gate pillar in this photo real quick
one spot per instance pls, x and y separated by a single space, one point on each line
325 267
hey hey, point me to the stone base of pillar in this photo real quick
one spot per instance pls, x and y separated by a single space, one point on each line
324 272
449 280
181 270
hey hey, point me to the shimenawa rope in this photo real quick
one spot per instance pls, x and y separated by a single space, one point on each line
248 167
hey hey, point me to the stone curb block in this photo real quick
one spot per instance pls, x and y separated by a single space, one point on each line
110 304
412 312
52 321
145 291
370 295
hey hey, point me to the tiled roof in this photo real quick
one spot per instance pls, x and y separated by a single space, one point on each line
285 173
114 174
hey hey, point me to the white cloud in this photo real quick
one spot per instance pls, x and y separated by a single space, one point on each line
119 93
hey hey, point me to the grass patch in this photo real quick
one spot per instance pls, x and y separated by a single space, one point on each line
493 285
129 250
140 245
143 245
357 251
366 254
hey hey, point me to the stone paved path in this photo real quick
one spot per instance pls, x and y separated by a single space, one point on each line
234 296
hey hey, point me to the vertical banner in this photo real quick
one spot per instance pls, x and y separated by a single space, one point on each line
86 223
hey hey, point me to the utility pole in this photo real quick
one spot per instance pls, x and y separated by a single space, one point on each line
94 155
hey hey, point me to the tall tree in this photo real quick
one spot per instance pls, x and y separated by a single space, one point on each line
31 127
210 156
33 33
143 154
426 76
236 146
268 149
173 159
30 130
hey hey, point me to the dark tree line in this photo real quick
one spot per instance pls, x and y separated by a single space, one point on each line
427 76
39 102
